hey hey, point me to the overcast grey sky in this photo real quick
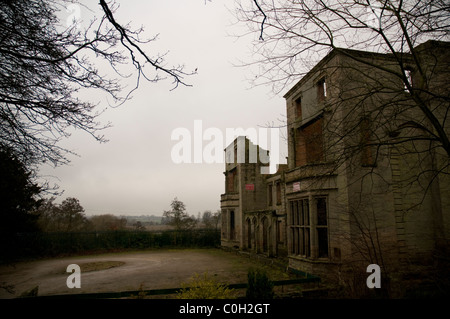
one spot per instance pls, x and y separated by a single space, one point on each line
134 173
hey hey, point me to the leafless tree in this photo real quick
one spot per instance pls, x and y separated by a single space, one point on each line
46 63
292 36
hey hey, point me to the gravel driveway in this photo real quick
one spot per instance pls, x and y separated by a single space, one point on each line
154 269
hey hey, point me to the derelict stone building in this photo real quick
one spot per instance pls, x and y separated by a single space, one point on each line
366 180
251 218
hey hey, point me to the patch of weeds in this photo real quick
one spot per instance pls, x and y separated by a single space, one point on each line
204 287
141 293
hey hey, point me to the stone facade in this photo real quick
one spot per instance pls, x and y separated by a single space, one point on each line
364 182
252 218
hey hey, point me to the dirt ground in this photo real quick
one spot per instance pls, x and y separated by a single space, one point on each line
127 271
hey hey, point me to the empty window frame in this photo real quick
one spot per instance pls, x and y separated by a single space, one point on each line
307 225
321 89
322 227
408 80
223 216
278 188
300 231
298 108
232 235
270 195
280 231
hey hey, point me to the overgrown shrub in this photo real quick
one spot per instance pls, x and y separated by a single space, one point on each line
204 287
259 285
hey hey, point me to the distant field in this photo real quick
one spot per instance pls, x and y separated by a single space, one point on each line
144 219
158 227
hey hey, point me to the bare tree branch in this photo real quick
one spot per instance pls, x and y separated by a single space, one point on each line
264 20
44 68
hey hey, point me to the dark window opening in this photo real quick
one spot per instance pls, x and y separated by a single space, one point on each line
322 236
321 212
249 234
298 108
409 79
278 193
321 90
280 232
265 234
270 194
300 229
322 230
232 225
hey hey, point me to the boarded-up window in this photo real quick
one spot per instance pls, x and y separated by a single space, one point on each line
230 178
309 143
314 142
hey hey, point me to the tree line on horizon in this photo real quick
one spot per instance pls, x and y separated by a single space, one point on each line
24 210
69 217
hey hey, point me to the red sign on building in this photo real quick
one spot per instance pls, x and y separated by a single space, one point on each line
250 187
